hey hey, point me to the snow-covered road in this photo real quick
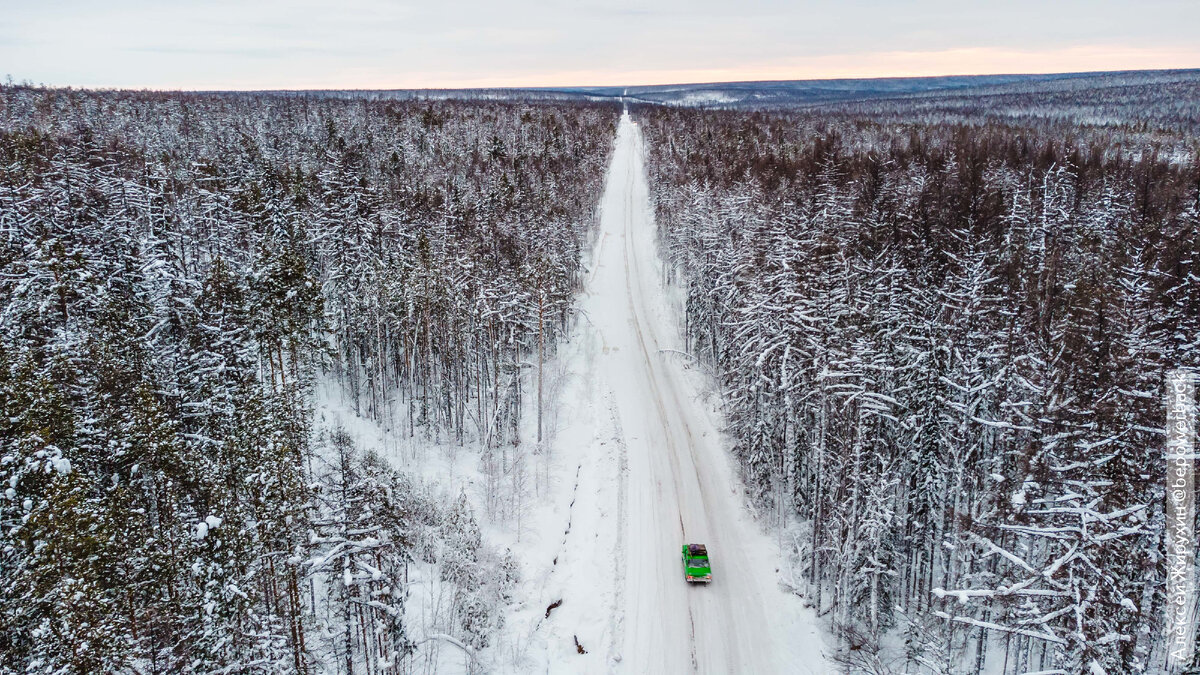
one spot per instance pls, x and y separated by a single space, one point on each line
641 414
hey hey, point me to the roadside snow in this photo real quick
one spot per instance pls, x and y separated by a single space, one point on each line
632 467
645 471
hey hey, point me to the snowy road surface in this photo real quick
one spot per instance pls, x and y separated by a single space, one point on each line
653 474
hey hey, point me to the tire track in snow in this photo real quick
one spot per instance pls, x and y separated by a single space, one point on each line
634 293
676 483
618 616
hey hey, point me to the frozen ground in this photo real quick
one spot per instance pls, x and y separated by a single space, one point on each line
645 471
633 467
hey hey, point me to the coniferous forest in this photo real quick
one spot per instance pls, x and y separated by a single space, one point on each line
942 346
177 271
937 330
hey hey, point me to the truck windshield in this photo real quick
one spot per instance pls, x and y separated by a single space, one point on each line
698 562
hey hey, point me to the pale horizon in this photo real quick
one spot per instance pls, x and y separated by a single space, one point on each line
919 65
380 44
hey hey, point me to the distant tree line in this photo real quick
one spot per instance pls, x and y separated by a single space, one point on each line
942 348
177 272
1165 104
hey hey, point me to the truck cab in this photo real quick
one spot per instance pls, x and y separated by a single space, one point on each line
696 567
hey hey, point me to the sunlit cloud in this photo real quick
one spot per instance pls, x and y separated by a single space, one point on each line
373 44
980 61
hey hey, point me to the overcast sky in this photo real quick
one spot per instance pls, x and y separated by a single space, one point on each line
226 44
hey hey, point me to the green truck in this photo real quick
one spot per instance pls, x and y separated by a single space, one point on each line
695 564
